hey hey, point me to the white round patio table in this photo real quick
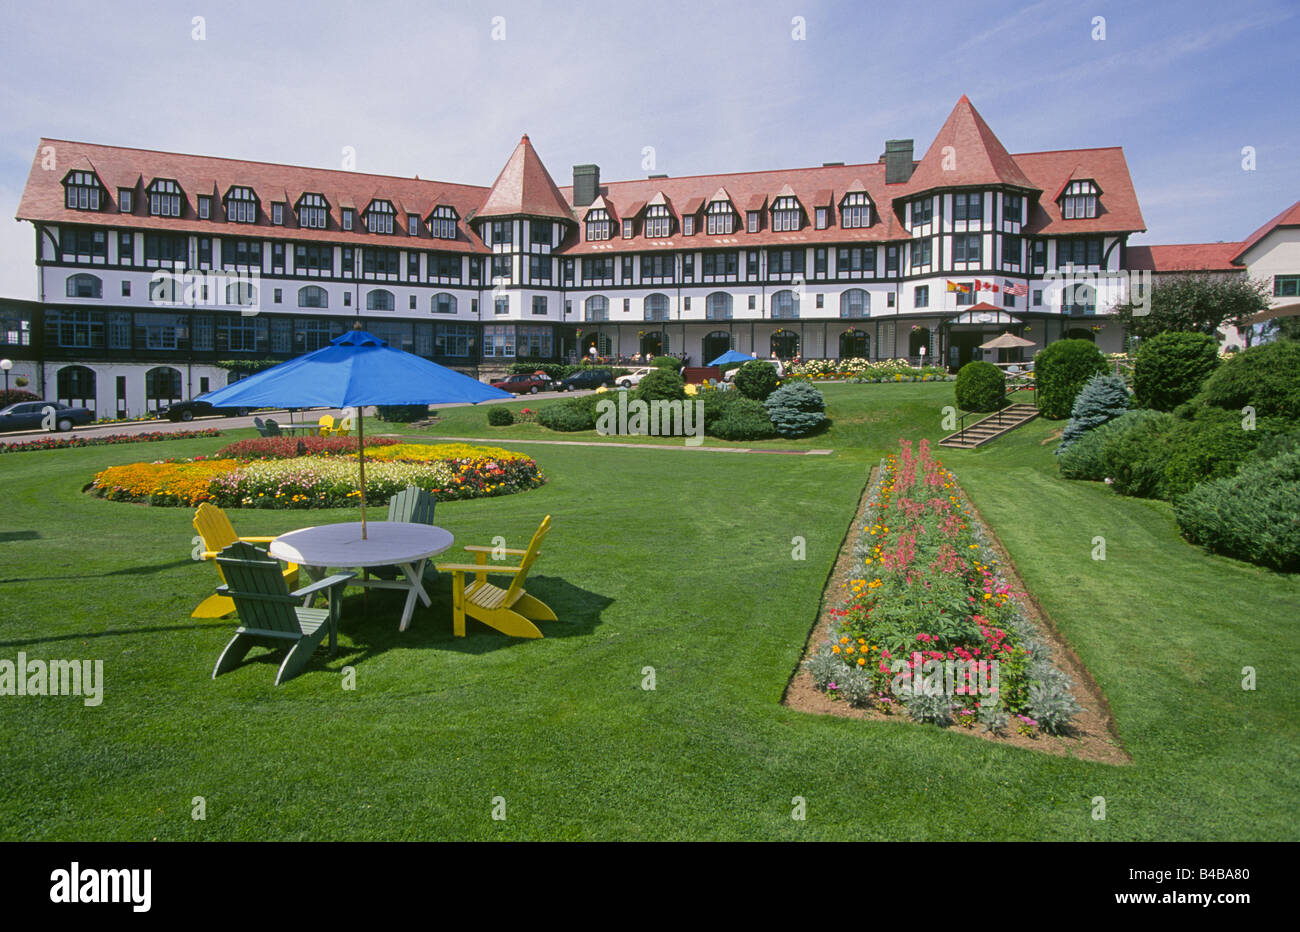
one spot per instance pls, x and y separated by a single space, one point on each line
387 543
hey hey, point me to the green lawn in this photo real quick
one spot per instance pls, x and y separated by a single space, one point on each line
680 561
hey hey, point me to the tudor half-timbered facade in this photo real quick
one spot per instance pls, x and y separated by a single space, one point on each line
157 271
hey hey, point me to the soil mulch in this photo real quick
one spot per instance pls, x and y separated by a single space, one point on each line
1092 735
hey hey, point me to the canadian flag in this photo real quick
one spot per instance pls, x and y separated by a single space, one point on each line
986 286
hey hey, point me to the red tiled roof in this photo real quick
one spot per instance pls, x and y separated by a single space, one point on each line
977 155
117 167
1287 218
525 187
1118 209
1184 257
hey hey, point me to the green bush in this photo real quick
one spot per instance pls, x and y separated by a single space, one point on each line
555 370
756 380
1250 515
1084 458
744 419
1171 367
661 385
980 386
1265 377
666 362
402 414
1211 446
499 416
1103 398
796 409
572 414
1061 369
14 395
1134 460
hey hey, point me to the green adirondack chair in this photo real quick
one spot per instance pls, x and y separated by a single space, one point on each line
412 505
272 616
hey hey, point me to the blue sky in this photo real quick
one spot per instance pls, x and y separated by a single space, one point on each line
424 88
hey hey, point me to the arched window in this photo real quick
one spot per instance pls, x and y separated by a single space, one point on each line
443 303
604 346
855 344
380 299
76 387
315 296
162 386
718 306
656 307
241 293
785 305
85 286
714 345
856 302
597 308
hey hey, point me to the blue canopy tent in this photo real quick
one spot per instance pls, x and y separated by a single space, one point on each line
356 369
731 356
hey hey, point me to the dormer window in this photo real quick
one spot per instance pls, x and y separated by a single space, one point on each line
164 198
627 229
277 213
125 200
313 211
598 224
412 225
1079 200
752 220
443 223
346 216
241 205
657 221
721 218
379 217
82 191
821 218
785 215
688 225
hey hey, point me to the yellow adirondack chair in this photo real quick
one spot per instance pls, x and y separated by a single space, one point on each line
343 428
326 424
217 534
511 611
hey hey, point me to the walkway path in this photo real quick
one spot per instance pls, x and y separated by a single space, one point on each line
426 438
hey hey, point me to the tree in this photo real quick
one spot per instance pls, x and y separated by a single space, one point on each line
1194 304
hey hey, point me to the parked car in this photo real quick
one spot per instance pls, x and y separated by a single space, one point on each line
189 410
31 415
586 378
633 379
524 383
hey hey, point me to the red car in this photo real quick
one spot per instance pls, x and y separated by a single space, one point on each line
524 384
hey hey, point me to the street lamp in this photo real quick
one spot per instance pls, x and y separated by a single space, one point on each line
6 365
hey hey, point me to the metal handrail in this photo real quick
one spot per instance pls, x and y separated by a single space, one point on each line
961 430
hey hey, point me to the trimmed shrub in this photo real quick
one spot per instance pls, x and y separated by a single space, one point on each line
1171 367
572 414
499 416
1085 460
1211 446
666 362
980 386
661 385
14 395
1061 369
740 418
1103 398
756 380
285 447
796 409
1134 460
402 414
1265 377
1251 515
556 370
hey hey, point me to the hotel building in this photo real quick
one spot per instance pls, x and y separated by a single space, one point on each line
157 270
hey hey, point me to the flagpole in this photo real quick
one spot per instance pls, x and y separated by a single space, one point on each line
361 455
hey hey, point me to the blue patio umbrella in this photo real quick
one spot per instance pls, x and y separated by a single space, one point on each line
731 356
356 369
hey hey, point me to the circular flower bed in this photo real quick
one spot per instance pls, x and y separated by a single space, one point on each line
448 471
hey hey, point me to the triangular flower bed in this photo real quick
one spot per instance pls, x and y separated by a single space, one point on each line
925 620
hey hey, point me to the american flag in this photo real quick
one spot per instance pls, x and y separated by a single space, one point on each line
1016 288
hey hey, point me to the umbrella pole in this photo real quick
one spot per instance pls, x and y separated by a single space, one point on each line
361 455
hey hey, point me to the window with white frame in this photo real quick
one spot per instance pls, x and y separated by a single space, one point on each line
379 216
1079 201
627 229
785 215
855 210
82 191
598 224
443 223
164 198
721 218
313 211
969 206
241 205
922 211
657 221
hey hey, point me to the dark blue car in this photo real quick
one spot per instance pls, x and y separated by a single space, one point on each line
43 415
